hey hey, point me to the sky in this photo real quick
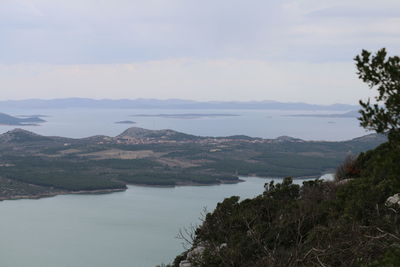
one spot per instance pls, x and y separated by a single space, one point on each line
223 50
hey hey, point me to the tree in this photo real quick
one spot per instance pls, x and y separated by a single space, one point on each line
383 74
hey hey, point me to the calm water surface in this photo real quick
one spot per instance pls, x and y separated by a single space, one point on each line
136 227
132 228
78 123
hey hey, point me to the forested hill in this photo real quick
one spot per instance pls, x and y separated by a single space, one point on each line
158 157
352 221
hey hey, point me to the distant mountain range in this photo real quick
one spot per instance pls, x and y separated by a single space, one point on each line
350 114
164 104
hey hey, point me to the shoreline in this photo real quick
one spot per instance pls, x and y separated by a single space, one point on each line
188 184
22 124
109 191
53 194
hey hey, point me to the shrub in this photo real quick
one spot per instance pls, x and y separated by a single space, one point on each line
348 169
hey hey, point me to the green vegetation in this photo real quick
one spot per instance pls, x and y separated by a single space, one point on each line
10 189
346 222
318 224
103 163
61 174
382 74
170 178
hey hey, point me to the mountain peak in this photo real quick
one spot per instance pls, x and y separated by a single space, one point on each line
165 134
21 135
371 137
285 138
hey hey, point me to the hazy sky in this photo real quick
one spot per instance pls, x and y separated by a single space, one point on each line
204 50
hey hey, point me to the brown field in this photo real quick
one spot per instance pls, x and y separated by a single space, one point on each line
177 162
122 154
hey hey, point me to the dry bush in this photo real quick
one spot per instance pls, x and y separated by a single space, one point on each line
348 169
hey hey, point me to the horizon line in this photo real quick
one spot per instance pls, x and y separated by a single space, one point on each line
265 101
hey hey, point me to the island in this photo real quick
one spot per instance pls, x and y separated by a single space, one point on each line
187 115
33 165
24 120
349 114
125 122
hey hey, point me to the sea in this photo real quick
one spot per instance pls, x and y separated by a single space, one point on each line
138 227
78 122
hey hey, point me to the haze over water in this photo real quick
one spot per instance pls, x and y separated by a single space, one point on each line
77 123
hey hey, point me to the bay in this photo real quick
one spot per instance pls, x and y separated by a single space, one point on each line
132 228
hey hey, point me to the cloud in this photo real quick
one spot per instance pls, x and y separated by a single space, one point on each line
122 31
357 12
286 50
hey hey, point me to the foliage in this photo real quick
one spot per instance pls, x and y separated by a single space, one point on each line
72 164
322 223
345 222
391 258
58 173
381 73
349 168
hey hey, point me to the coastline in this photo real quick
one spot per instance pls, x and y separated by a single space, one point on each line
53 194
22 124
188 184
109 191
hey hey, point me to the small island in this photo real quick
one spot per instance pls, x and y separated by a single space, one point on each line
186 115
35 115
125 122
350 114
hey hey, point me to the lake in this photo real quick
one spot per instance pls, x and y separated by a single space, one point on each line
132 228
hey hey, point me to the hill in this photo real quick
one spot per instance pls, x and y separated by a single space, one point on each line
162 157
352 221
140 133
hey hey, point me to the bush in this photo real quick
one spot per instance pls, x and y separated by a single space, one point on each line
321 223
348 169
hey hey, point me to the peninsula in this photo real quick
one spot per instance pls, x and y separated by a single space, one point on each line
24 120
33 165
